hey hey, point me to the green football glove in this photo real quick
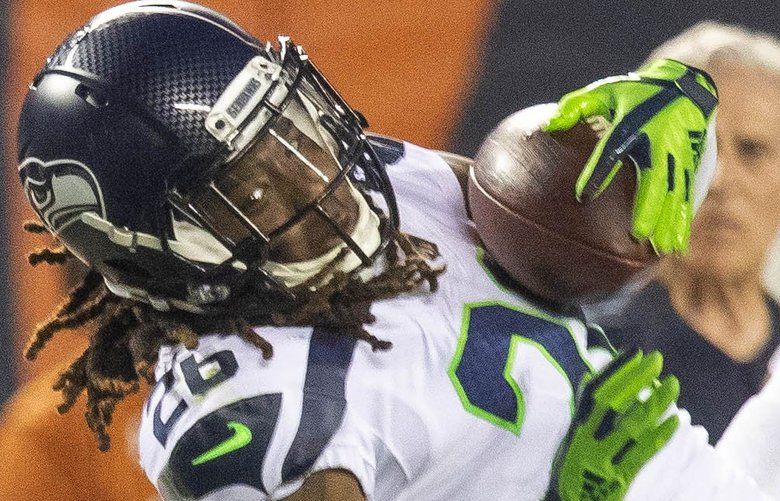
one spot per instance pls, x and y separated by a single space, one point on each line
658 118
614 433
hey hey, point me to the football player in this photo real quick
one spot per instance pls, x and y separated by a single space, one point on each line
254 255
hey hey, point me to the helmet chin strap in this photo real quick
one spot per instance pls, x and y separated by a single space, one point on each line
197 244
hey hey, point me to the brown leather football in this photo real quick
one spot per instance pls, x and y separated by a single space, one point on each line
521 196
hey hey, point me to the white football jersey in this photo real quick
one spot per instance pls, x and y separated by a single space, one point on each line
471 402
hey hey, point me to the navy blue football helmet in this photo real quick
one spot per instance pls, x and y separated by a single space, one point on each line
126 141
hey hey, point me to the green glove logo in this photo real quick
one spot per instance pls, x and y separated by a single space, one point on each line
596 488
659 118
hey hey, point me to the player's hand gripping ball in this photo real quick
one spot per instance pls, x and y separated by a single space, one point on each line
659 117
615 431
533 227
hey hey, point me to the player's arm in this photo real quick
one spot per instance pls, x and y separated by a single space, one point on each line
330 485
628 442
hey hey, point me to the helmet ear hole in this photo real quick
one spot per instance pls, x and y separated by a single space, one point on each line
91 96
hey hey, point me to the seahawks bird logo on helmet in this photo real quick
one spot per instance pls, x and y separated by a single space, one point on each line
60 191
209 154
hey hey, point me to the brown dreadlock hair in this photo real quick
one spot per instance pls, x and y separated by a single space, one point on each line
128 334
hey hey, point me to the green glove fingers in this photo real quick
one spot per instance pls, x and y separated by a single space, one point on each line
664 394
664 232
653 440
646 446
679 223
615 431
579 105
671 232
597 99
648 441
687 216
589 407
651 191
619 391
616 143
687 175
652 409
655 115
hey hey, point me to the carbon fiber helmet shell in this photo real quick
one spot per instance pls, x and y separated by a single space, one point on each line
115 120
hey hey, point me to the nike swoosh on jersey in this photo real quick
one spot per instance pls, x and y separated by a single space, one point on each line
242 435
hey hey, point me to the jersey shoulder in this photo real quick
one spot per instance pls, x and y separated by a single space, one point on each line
223 422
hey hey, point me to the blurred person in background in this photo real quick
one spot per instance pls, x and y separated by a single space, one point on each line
708 312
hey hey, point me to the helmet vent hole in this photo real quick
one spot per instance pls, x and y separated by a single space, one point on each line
91 96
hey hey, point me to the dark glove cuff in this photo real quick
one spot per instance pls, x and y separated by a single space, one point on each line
697 93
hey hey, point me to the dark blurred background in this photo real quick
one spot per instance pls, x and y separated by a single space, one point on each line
538 50
8 353
441 74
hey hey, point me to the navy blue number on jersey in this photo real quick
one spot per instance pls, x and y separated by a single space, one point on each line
228 446
482 366
222 367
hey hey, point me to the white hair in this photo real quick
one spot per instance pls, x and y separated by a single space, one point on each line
708 42
704 43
